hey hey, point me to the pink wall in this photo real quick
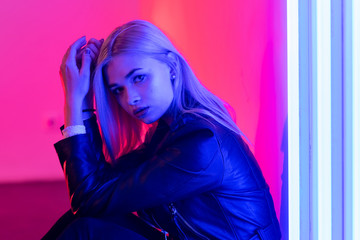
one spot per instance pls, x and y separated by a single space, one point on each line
236 48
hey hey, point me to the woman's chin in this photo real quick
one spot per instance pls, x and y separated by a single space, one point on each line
148 120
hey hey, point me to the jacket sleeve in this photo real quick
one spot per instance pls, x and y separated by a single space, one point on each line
191 163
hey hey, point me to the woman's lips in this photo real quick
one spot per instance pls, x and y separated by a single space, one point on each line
141 112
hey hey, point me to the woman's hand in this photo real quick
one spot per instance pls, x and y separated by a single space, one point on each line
94 45
75 73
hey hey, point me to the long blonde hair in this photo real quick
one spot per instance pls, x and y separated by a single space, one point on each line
121 132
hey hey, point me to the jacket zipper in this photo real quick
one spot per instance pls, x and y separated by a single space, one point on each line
158 225
176 215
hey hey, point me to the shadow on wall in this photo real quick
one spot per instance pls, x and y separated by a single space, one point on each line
284 207
271 119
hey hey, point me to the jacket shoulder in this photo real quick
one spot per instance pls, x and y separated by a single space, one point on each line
196 142
190 122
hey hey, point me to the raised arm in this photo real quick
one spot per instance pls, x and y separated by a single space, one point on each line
75 73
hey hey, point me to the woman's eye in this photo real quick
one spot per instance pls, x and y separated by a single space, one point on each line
139 78
117 91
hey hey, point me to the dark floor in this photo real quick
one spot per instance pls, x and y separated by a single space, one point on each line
28 210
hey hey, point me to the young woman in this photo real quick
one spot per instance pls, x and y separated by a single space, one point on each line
169 151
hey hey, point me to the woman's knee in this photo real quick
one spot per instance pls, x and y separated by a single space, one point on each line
78 229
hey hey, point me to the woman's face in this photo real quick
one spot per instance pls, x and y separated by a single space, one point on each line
141 85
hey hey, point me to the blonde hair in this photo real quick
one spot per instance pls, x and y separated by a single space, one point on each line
121 132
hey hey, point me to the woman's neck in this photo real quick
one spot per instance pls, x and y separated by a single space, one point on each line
168 119
170 115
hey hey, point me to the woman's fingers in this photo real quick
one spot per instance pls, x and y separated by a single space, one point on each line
86 62
81 52
74 49
94 45
94 51
96 42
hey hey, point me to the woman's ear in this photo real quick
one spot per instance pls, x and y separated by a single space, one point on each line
174 60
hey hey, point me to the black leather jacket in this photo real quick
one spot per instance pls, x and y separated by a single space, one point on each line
193 179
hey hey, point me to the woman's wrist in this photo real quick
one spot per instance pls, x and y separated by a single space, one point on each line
86 106
75 110
88 102
72 114
87 115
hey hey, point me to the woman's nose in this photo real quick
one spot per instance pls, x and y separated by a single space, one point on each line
133 97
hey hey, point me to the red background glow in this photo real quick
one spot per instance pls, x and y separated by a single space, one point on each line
236 48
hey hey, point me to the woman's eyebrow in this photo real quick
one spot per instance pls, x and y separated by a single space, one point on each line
131 72
112 85
126 77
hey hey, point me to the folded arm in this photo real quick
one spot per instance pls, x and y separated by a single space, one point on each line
191 163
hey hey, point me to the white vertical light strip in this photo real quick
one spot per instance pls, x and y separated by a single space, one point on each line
324 117
337 118
348 119
314 202
356 118
305 79
293 115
